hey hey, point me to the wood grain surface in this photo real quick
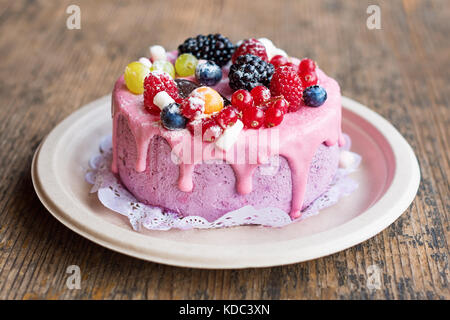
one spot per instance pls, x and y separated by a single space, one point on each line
48 71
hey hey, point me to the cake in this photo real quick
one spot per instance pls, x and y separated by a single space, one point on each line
203 132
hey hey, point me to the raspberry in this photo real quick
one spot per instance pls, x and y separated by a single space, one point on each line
292 65
260 94
279 60
307 65
274 116
251 46
214 47
250 71
253 117
227 117
242 99
308 78
287 83
156 82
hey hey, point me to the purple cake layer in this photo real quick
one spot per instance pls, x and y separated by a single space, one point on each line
214 192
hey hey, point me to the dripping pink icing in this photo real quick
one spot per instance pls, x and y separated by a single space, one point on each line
300 134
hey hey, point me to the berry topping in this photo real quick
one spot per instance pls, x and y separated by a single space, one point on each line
314 96
134 76
292 66
307 65
279 60
227 117
208 73
157 82
209 129
185 65
250 71
211 99
251 46
280 103
242 99
192 107
274 116
163 65
213 47
309 78
185 87
287 83
253 117
171 117
260 94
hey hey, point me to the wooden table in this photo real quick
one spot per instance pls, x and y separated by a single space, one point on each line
48 71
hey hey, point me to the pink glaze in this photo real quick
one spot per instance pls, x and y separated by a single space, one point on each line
301 133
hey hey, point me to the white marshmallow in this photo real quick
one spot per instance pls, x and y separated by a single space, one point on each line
145 61
230 136
157 53
162 99
346 159
270 47
280 52
266 42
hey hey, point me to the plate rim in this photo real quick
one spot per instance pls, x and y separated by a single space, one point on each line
406 180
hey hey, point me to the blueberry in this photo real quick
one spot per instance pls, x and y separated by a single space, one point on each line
171 117
208 73
314 96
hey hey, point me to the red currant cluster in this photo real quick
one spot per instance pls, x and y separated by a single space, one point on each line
259 108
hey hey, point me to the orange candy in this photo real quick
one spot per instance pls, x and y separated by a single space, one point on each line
213 100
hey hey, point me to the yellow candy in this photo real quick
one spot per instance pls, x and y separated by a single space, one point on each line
134 76
213 100
163 65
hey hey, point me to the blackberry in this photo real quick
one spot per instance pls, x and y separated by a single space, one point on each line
213 47
250 71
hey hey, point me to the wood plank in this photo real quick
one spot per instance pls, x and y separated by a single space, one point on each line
47 72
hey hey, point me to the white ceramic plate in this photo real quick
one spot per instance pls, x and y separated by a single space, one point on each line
388 176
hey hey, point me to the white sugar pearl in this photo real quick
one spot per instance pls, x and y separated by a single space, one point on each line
145 61
162 99
230 136
346 159
157 53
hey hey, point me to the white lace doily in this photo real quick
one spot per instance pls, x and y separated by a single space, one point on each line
113 195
